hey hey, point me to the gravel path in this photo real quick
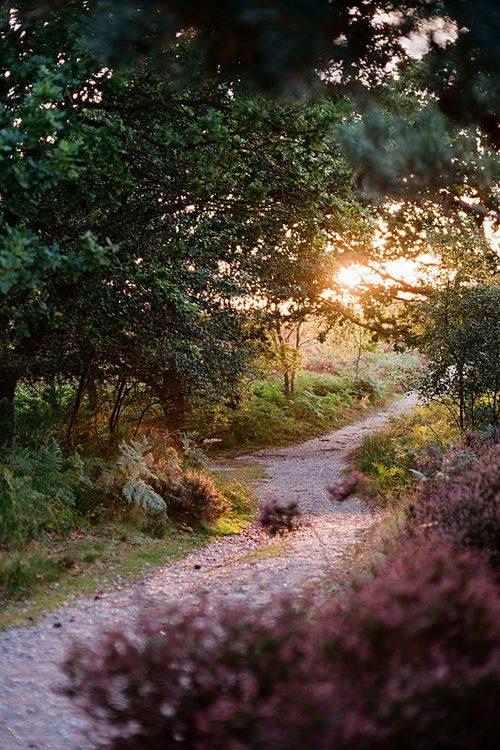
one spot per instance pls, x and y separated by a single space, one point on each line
246 566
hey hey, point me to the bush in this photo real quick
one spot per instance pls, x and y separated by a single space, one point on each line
279 517
160 486
411 660
188 679
199 501
464 507
409 447
20 575
38 494
345 488
415 656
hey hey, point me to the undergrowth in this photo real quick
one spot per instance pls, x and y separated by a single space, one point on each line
55 510
267 417
432 479
389 458
154 484
405 657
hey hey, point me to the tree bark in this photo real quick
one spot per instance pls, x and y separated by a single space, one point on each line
70 436
172 398
115 414
8 383
286 384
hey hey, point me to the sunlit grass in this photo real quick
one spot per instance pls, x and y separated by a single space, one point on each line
49 574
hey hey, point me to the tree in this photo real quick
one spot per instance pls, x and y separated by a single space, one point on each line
180 207
459 334
281 46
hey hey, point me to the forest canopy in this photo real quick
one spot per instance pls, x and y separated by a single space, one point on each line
179 178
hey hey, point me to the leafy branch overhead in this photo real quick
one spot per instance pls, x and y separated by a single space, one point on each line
302 48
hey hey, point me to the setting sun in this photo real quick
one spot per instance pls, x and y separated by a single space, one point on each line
401 270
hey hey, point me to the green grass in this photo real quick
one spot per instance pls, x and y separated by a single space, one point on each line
388 456
266 417
52 572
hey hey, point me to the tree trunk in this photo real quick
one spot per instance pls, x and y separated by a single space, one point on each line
115 414
70 437
8 383
92 395
286 384
172 398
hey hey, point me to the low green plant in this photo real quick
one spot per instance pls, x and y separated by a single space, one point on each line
39 493
390 458
21 574
137 468
265 416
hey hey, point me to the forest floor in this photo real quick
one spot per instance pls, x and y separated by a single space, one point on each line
249 567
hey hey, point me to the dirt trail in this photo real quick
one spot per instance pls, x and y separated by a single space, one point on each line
244 567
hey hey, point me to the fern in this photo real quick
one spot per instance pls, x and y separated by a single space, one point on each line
137 492
135 460
136 465
32 501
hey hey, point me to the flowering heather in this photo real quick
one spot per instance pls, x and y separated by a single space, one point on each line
464 508
279 517
188 679
347 487
411 660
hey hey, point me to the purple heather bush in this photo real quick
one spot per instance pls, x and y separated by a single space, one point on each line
464 507
343 489
410 660
279 517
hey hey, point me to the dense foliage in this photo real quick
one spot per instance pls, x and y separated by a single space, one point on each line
464 506
140 222
460 336
452 124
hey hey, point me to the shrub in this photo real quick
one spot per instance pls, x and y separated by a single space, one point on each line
415 656
137 472
408 448
21 574
411 660
191 678
342 490
38 493
279 517
199 502
464 508
159 486
370 389
264 416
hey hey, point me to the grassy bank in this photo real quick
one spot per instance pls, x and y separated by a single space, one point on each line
322 401
101 553
391 462
389 459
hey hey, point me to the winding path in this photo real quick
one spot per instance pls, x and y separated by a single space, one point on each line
244 567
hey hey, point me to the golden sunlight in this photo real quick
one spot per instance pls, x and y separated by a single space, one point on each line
402 270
